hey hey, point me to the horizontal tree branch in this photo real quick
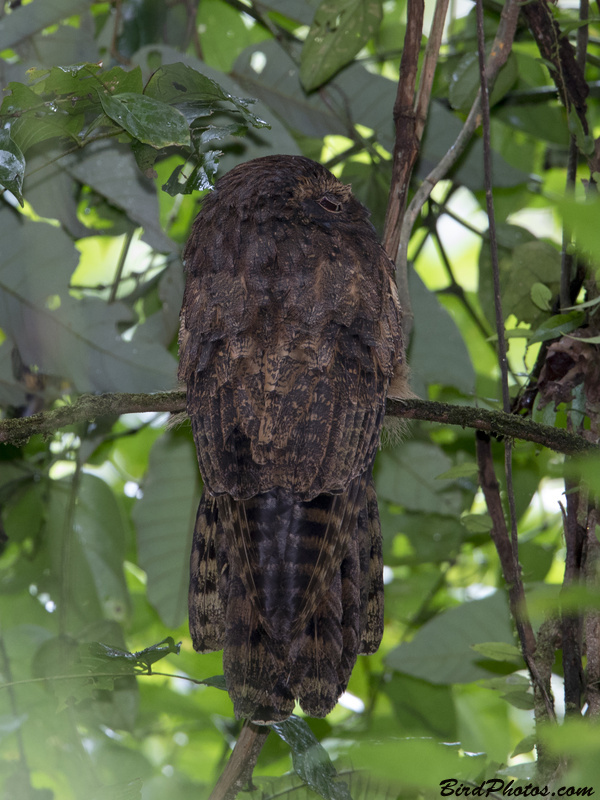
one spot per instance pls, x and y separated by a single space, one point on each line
497 423
89 407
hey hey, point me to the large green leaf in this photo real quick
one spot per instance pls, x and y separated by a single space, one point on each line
86 541
164 518
438 352
338 31
77 340
147 119
110 170
406 476
441 651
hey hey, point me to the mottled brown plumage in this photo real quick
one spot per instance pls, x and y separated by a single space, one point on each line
290 332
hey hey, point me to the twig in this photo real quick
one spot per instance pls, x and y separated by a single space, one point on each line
121 264
239 768
90 407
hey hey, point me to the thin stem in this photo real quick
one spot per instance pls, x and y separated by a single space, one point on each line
119 271
432 52
489 197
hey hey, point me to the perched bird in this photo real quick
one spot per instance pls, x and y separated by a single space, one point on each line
290 333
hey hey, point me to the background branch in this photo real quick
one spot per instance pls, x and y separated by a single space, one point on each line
241 763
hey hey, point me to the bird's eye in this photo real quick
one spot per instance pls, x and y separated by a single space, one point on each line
331 203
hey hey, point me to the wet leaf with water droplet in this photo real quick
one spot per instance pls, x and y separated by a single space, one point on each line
146 119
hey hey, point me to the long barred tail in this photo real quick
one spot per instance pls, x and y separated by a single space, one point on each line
292 591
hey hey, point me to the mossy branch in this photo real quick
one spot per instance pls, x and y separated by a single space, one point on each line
88 408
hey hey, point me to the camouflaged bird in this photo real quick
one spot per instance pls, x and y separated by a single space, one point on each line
290 332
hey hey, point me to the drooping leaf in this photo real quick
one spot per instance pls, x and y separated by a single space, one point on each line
195 94
310 759
338 31
556 326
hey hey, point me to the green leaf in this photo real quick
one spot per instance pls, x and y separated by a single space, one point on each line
109 168
477 523
532 263
195 94
438 351
541 296
412 763
146 119
339 29
310 759
557 326
77 340
405 476
12 165
465 81
465 470
422 707
442 650
200 178
526 745
164 519
581 220
87 547
499 651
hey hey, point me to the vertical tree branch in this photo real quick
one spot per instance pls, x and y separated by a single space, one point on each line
512 575
410 114
406 146
571 623
592 622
